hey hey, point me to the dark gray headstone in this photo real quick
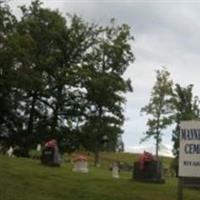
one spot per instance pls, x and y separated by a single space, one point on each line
151 172
50 156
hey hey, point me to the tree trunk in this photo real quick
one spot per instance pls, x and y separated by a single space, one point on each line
29 137
96 159
157 148
56 110
55 120
157 160
98 143
157 135
31 115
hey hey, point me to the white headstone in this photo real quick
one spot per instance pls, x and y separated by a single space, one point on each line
39 147
115 170
10 152
80 166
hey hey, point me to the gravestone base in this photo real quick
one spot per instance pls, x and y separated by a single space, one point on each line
152 172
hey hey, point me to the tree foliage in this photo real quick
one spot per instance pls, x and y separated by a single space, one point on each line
160 107
61 78
105 85
7 95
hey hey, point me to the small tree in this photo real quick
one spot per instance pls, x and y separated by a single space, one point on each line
159 107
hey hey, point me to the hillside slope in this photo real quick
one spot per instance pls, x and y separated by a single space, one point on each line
25 179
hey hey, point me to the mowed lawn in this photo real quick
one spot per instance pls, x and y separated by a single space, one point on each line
26 179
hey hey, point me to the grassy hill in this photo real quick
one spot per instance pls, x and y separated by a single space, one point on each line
25 179
107 158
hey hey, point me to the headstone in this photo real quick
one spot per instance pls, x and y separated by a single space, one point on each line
148 169
152 172
115 170
10 151
39 148
80 164
50 154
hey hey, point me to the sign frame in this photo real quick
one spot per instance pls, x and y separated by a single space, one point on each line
187 177
189 149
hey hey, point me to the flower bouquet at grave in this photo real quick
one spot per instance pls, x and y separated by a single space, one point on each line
145 158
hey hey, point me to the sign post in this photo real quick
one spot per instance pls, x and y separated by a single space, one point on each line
180 189
189 155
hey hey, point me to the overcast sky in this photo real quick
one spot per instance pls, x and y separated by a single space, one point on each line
166 34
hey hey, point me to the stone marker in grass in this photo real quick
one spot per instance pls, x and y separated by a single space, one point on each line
10 151
50 154
80 164
115 170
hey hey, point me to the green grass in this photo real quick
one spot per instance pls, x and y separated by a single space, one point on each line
25 179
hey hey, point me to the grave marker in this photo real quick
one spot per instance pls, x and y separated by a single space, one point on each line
10 151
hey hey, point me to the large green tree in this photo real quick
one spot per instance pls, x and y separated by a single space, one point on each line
50 51
106 86
62 76
36 38
160 107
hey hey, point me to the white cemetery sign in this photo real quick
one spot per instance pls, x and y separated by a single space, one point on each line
189 152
